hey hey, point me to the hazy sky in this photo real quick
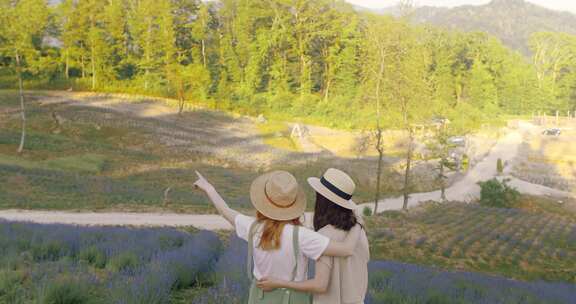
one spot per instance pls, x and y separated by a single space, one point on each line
566 5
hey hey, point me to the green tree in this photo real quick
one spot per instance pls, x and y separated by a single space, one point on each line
22 27
496 193
483 94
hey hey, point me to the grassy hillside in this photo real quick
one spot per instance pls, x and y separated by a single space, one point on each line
78 157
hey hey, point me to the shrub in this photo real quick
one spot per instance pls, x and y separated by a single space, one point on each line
49 251
67 291
499 194
367 211
124 262
93 256
11 290
499 166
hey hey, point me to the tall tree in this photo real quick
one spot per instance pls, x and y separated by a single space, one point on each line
376 59
22 26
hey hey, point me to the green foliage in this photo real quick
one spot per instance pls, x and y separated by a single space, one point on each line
93 256
316 60
11 288
49 251
367 211
499 194
499 166
124 262
67 291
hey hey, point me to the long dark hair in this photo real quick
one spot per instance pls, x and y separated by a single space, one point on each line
328 213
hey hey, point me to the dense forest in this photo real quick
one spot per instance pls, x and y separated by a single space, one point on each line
319 61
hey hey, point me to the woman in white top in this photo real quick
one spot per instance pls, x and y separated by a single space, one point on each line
280 203
341 280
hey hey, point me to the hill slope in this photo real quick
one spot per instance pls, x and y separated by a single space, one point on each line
513 21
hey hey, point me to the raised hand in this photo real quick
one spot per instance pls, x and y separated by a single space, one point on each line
202 183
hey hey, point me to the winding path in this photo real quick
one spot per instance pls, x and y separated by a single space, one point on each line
467 189
464 190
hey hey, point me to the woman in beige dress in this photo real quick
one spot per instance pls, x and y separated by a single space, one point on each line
338 280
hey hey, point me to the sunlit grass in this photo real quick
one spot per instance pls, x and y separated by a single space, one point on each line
277 134
88 163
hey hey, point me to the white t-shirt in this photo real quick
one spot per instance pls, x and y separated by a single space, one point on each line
280 263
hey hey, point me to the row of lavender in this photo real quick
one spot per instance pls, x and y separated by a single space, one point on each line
399 283
69 264
512 242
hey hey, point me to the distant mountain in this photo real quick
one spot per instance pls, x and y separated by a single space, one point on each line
513 21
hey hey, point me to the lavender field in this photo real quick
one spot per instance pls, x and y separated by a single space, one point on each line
56 264
514 243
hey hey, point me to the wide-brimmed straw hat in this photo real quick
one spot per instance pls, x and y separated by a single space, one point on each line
336 186
278 196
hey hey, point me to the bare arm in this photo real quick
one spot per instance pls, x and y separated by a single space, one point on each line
228 213
319 284
345 248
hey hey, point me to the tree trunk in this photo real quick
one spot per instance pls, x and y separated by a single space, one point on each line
93 64
406 189
67 69
442 183
379 170
180 97
379 132
83 66
328 81
203 53
22 106
327 92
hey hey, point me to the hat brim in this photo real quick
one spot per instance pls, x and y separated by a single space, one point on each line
264 206
315 183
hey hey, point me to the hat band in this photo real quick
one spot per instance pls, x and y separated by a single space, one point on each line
335 190
274 203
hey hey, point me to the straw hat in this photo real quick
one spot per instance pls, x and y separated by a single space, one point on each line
278 196
336 186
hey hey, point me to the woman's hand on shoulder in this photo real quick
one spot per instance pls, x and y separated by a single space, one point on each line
359 217
202 183
269 284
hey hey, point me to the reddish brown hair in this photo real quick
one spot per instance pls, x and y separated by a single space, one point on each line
272 231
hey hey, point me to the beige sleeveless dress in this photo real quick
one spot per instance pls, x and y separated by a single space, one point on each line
348 276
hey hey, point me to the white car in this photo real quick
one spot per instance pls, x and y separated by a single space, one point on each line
552 132
458 141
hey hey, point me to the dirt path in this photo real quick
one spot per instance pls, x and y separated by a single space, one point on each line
467 188
201 221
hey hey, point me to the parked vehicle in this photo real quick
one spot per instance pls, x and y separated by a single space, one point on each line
552 132
458 141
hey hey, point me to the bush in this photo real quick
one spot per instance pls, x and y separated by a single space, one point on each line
11 290
367 211
50 251
93 256
499 194
124 262
499 166
67 291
